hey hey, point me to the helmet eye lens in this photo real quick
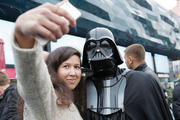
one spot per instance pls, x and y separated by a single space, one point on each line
91 45
105 44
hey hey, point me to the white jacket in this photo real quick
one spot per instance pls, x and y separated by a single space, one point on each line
35 87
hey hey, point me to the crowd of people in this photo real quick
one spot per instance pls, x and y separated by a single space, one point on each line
46 82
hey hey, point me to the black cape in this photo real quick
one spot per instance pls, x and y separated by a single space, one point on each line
144 99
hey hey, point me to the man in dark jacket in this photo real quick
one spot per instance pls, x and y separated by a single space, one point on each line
8 99
135 59
113 93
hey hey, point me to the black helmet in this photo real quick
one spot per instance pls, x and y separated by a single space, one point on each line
99 34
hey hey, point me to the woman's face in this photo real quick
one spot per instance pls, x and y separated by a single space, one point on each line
70 71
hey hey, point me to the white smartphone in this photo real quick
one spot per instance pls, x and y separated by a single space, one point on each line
73 11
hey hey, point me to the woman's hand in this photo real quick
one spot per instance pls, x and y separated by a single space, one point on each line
47 21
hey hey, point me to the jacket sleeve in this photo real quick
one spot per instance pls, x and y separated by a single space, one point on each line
33 82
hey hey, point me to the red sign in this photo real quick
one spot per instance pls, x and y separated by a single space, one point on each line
11 72
2 57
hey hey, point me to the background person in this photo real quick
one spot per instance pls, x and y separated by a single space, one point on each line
135 59
46 90
169 91
8 99
5 82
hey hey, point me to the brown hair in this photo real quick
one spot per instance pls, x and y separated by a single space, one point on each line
56 58
4 80
137 51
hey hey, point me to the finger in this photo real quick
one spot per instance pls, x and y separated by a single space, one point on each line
65 14
44 33
62 2
59 20
53 27
49 6
62 22
60 12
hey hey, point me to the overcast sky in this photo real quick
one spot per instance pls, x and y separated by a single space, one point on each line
167 4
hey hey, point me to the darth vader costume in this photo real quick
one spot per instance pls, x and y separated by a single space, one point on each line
114 93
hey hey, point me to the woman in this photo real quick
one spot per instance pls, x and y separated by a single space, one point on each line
46 90
65 71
